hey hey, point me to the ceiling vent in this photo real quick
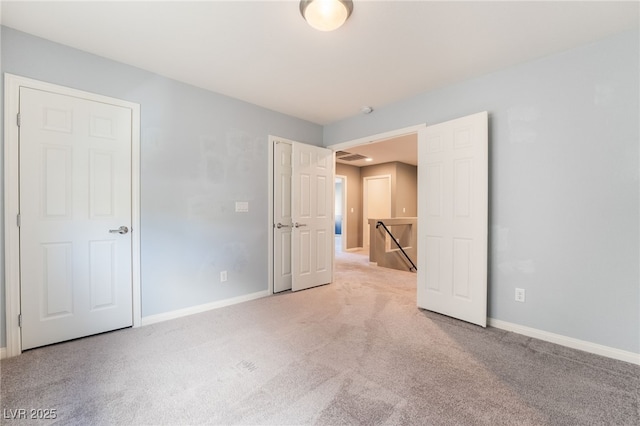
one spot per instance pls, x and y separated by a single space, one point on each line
353 157
342 153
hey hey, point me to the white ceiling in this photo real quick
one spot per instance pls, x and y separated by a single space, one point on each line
264 53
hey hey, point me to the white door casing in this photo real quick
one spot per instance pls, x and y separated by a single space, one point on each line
344 212
61 196
453 218
376 202
313 216
282 216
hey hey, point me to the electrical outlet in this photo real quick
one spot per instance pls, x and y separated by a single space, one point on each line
223 276
519 294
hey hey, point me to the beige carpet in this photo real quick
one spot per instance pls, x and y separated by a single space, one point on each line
357 351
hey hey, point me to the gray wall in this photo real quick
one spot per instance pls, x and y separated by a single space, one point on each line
564 189
406 190
404 181
200 152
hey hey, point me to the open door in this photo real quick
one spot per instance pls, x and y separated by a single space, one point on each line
453 217
282 226
313 216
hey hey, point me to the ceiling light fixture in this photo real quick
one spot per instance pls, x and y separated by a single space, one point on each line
326 15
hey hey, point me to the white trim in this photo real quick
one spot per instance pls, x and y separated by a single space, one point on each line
11 202
135 215
373 139
12 84
270 269
166 316
3 353
354 249
569 342
377 137
333 213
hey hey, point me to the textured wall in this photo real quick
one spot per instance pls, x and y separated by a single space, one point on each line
564 190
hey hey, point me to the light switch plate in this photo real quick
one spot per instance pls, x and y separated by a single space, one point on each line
242 206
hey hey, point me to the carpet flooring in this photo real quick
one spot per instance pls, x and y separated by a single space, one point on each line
355 352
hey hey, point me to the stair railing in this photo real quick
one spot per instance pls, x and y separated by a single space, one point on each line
413 265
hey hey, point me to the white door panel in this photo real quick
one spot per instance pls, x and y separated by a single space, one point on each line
75 186
453 169
282 217
313 218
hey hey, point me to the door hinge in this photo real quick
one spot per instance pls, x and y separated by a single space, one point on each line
19 320
19 220
18 120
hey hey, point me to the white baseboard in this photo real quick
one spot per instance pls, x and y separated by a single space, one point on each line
569 342
3 353
352 249
152 319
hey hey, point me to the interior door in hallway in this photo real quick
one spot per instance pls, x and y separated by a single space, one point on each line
313 216
76 213
453 217
376 202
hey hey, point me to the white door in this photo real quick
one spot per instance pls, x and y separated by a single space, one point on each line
313 218
453 217
282 217
376 202
75 210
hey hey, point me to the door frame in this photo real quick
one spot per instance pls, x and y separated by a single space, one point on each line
344 146
12 84
344 212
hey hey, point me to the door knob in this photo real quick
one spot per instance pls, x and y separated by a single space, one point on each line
122 230
299 225
279 225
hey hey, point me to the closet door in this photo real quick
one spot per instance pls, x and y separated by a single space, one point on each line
313 216
453 218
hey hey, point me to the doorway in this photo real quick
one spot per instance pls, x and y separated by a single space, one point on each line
340 205
452 214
